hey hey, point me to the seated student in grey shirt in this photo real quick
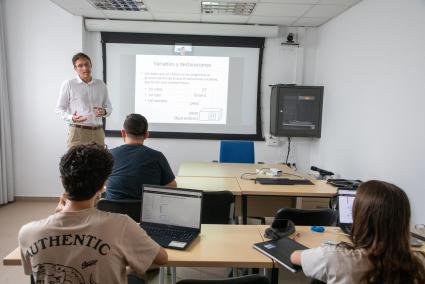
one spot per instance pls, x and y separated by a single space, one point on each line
135 164
80 244
380 243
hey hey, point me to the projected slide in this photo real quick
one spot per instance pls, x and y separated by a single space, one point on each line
182 89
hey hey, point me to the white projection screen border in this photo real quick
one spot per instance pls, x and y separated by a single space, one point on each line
234 113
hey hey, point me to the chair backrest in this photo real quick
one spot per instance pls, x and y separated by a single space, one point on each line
249 279
130 207
134 279
308 217
217 207
234 151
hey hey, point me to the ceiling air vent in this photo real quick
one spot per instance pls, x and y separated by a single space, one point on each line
227 8
119 5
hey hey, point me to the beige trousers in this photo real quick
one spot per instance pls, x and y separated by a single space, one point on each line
78 136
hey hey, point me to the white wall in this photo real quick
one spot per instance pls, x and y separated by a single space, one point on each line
371 61
41 39
279 66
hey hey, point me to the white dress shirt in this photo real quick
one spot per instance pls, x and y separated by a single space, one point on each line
76 95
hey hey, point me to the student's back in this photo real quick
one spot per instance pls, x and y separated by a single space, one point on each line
135 165
338 264
379 251
80 244
89 245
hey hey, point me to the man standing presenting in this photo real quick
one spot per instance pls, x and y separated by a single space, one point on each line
135 164
83 102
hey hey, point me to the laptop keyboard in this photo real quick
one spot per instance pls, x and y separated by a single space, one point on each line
346 228
169 233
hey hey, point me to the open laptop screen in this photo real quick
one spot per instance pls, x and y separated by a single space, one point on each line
345 206
172 206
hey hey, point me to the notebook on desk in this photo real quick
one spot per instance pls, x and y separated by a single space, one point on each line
282 181
280 251
171 216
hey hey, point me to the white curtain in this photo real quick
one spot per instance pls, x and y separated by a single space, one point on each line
7 190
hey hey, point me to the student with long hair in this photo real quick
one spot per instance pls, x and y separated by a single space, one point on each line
380 243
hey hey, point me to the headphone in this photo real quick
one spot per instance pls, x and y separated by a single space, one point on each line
280 228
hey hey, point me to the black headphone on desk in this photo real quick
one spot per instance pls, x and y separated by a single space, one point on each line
280 228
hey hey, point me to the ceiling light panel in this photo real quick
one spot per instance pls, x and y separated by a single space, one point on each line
119 5
227 8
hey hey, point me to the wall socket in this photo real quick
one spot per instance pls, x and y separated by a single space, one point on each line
272 140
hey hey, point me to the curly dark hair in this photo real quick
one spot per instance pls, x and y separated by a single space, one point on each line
84 170
135 125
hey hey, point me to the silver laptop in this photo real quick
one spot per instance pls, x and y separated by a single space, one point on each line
171 216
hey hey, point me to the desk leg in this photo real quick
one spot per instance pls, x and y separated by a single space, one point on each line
274 277
244 206
162 275
173 275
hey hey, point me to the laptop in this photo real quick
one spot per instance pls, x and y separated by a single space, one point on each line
171 216
345 209
280 251
345 205
282 181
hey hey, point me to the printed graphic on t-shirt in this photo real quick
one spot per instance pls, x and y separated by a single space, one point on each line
57 274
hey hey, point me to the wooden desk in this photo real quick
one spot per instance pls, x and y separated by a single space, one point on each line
314 239
199 175
318 189
13 258
209 184
250 188
216 246
224 169
222 246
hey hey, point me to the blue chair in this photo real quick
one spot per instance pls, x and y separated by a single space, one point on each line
234 151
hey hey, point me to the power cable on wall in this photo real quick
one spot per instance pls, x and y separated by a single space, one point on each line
289 150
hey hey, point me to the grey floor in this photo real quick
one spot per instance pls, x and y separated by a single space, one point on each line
14 215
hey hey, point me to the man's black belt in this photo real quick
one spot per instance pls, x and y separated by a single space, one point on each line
86 126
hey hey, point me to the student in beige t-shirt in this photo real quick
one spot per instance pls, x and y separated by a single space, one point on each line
380 250
80 244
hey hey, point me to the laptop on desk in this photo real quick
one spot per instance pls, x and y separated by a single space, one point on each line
345 209
171 216
345 206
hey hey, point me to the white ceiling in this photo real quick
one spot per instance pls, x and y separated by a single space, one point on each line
294 13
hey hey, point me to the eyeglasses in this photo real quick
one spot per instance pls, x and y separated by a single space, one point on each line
80 66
